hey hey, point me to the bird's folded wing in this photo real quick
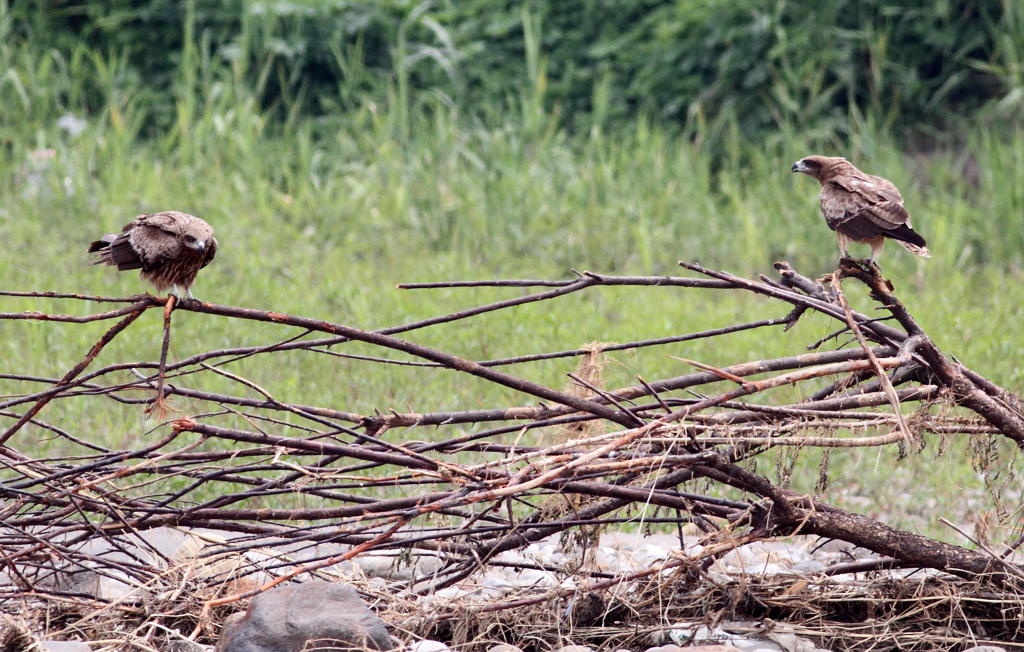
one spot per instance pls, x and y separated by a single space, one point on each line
875 199
166 221
887 214
153 245
121 253
871 187
839 205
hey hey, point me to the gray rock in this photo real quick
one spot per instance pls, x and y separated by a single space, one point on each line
427 645
756 645
505 647
694 648
398 565
160 548
574 648
186 646
287 618
792 643
62 646
985 648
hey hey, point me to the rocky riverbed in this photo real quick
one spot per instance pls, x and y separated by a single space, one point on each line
556 578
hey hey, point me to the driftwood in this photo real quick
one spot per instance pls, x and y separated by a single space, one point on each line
374 480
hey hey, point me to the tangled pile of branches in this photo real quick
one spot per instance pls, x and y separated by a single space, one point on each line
462 491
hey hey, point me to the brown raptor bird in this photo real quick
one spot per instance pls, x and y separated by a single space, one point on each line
169 247
861 207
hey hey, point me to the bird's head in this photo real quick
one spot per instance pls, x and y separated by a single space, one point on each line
819 166
193 232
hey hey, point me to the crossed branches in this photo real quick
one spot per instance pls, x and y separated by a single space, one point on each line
375 489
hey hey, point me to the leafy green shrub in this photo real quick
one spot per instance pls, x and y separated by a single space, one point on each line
706 65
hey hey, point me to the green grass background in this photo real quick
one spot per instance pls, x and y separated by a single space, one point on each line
323 219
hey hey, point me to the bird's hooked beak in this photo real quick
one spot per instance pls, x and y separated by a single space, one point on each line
198 245
800 166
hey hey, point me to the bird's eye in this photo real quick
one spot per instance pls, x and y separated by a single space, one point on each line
190 238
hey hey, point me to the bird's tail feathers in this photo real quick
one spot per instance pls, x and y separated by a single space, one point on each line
915 249
102 243
910 239
112 249
101 248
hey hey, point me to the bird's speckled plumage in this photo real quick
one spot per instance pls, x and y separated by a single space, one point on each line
169 247
861 207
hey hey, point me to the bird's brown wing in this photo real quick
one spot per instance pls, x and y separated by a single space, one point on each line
167 221
862 207
879 200
843 211
884 188
143 243
151 239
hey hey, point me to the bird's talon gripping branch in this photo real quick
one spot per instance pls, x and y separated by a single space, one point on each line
869 273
